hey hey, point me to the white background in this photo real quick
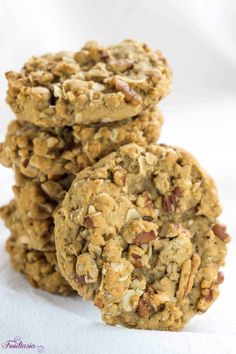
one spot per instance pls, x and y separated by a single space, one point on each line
199 39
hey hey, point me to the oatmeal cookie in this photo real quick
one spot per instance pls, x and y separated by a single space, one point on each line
36 234
51 153
32 250
138 233
38 201
45 160
39 267
96 84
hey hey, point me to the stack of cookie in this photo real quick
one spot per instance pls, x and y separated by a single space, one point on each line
135 224
71 109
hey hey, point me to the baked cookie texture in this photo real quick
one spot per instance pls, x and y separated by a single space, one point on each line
96 84
39 200
39 267
44 154
45 161
138 233
31 248
37 234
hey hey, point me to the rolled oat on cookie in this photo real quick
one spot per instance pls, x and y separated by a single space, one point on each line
95 84
138 233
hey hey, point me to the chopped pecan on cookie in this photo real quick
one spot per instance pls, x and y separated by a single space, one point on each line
51 153
95 84
138 234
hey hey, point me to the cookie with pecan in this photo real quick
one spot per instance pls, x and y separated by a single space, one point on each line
138 233
49 154
96 84
39 267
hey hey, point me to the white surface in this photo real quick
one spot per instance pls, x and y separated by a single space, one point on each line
198 37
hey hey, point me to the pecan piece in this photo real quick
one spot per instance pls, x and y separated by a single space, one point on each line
88 222
195 264
139 231
188 271
145 237
80 279
207 295
177 192
25 163
135 256
169 202
137 261
220 278
144 308
131 96
220 231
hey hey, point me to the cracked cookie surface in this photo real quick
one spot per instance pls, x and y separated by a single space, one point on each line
96 84
138 233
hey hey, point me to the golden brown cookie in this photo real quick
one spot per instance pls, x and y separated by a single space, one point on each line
138 233
45 160
51 153
35 233
96 84
39 267
32 250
